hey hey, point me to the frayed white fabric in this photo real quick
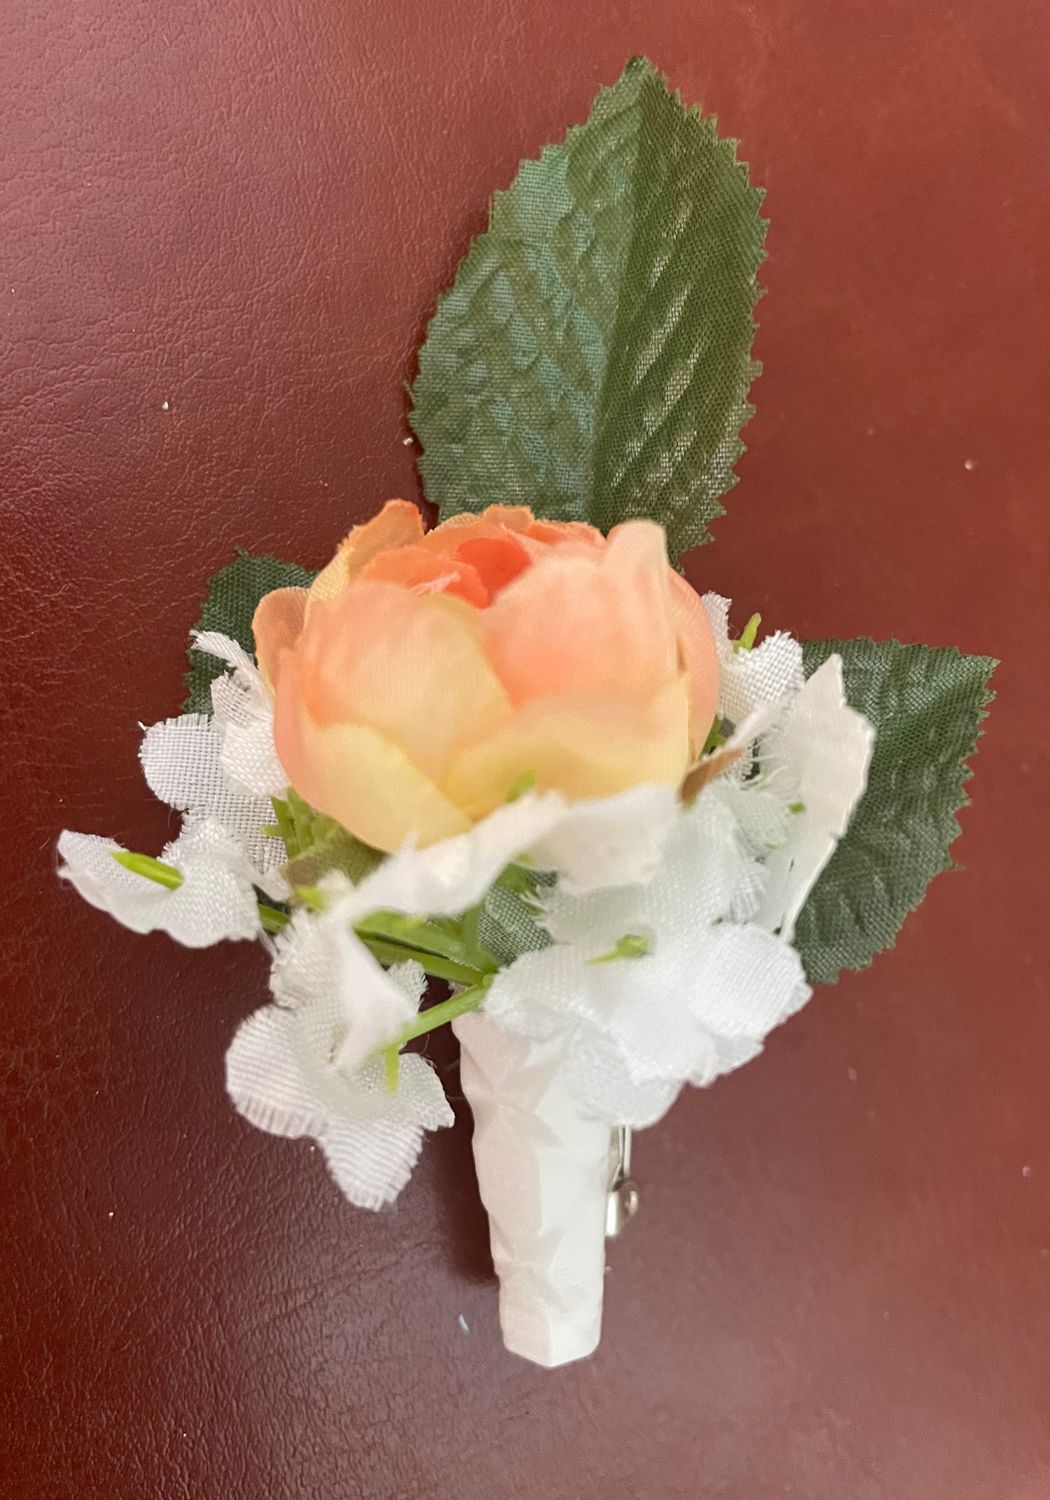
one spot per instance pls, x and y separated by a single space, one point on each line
749 679
802 766
284 1073
214 902
609 841
182 760
697 1004
243 714
321 965
815 760
606 841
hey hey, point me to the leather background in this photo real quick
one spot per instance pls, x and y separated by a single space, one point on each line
223 224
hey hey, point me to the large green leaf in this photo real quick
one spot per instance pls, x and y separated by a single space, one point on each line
592 359
926 704
233 593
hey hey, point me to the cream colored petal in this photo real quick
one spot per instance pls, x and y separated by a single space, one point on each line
357 776
565 533
411 665
583 745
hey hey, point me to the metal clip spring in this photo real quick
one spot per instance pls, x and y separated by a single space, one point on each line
622 1203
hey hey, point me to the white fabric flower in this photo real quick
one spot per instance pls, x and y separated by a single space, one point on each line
749 679
697 1004
599 842
608 841
795 766
286 1073
242 708
223 766
320 961
815 761
215 900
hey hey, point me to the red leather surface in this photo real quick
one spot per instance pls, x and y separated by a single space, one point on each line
222 228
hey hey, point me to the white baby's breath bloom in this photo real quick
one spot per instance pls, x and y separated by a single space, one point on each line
320 955
815 761
214 901
223 766
242 709
750 679
795 765
320 962
608 841
703 988
600 842
287 1071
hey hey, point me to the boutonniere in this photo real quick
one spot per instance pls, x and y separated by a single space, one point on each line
518 755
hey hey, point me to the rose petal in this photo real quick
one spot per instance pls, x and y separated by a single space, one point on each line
356 775
398 524
557 533
276 626
377 656
495 560
428 573
581 744
582 623
699 653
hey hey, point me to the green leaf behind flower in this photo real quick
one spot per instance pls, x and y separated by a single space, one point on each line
316 844
926 704
507 927
592 359
233 593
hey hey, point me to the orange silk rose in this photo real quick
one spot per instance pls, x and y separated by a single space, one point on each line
422 677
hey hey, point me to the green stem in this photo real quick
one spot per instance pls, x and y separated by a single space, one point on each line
285 826
715 739
748 634
388 949
515 878
398 953
442 952
272 919
631 945
474 950
439 1015
152 869
413 932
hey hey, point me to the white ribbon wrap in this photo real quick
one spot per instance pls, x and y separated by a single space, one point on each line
543 1172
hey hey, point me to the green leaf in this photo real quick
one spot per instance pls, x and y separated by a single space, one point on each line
233 593
592 359
334 849
926 704
507 927
317 844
